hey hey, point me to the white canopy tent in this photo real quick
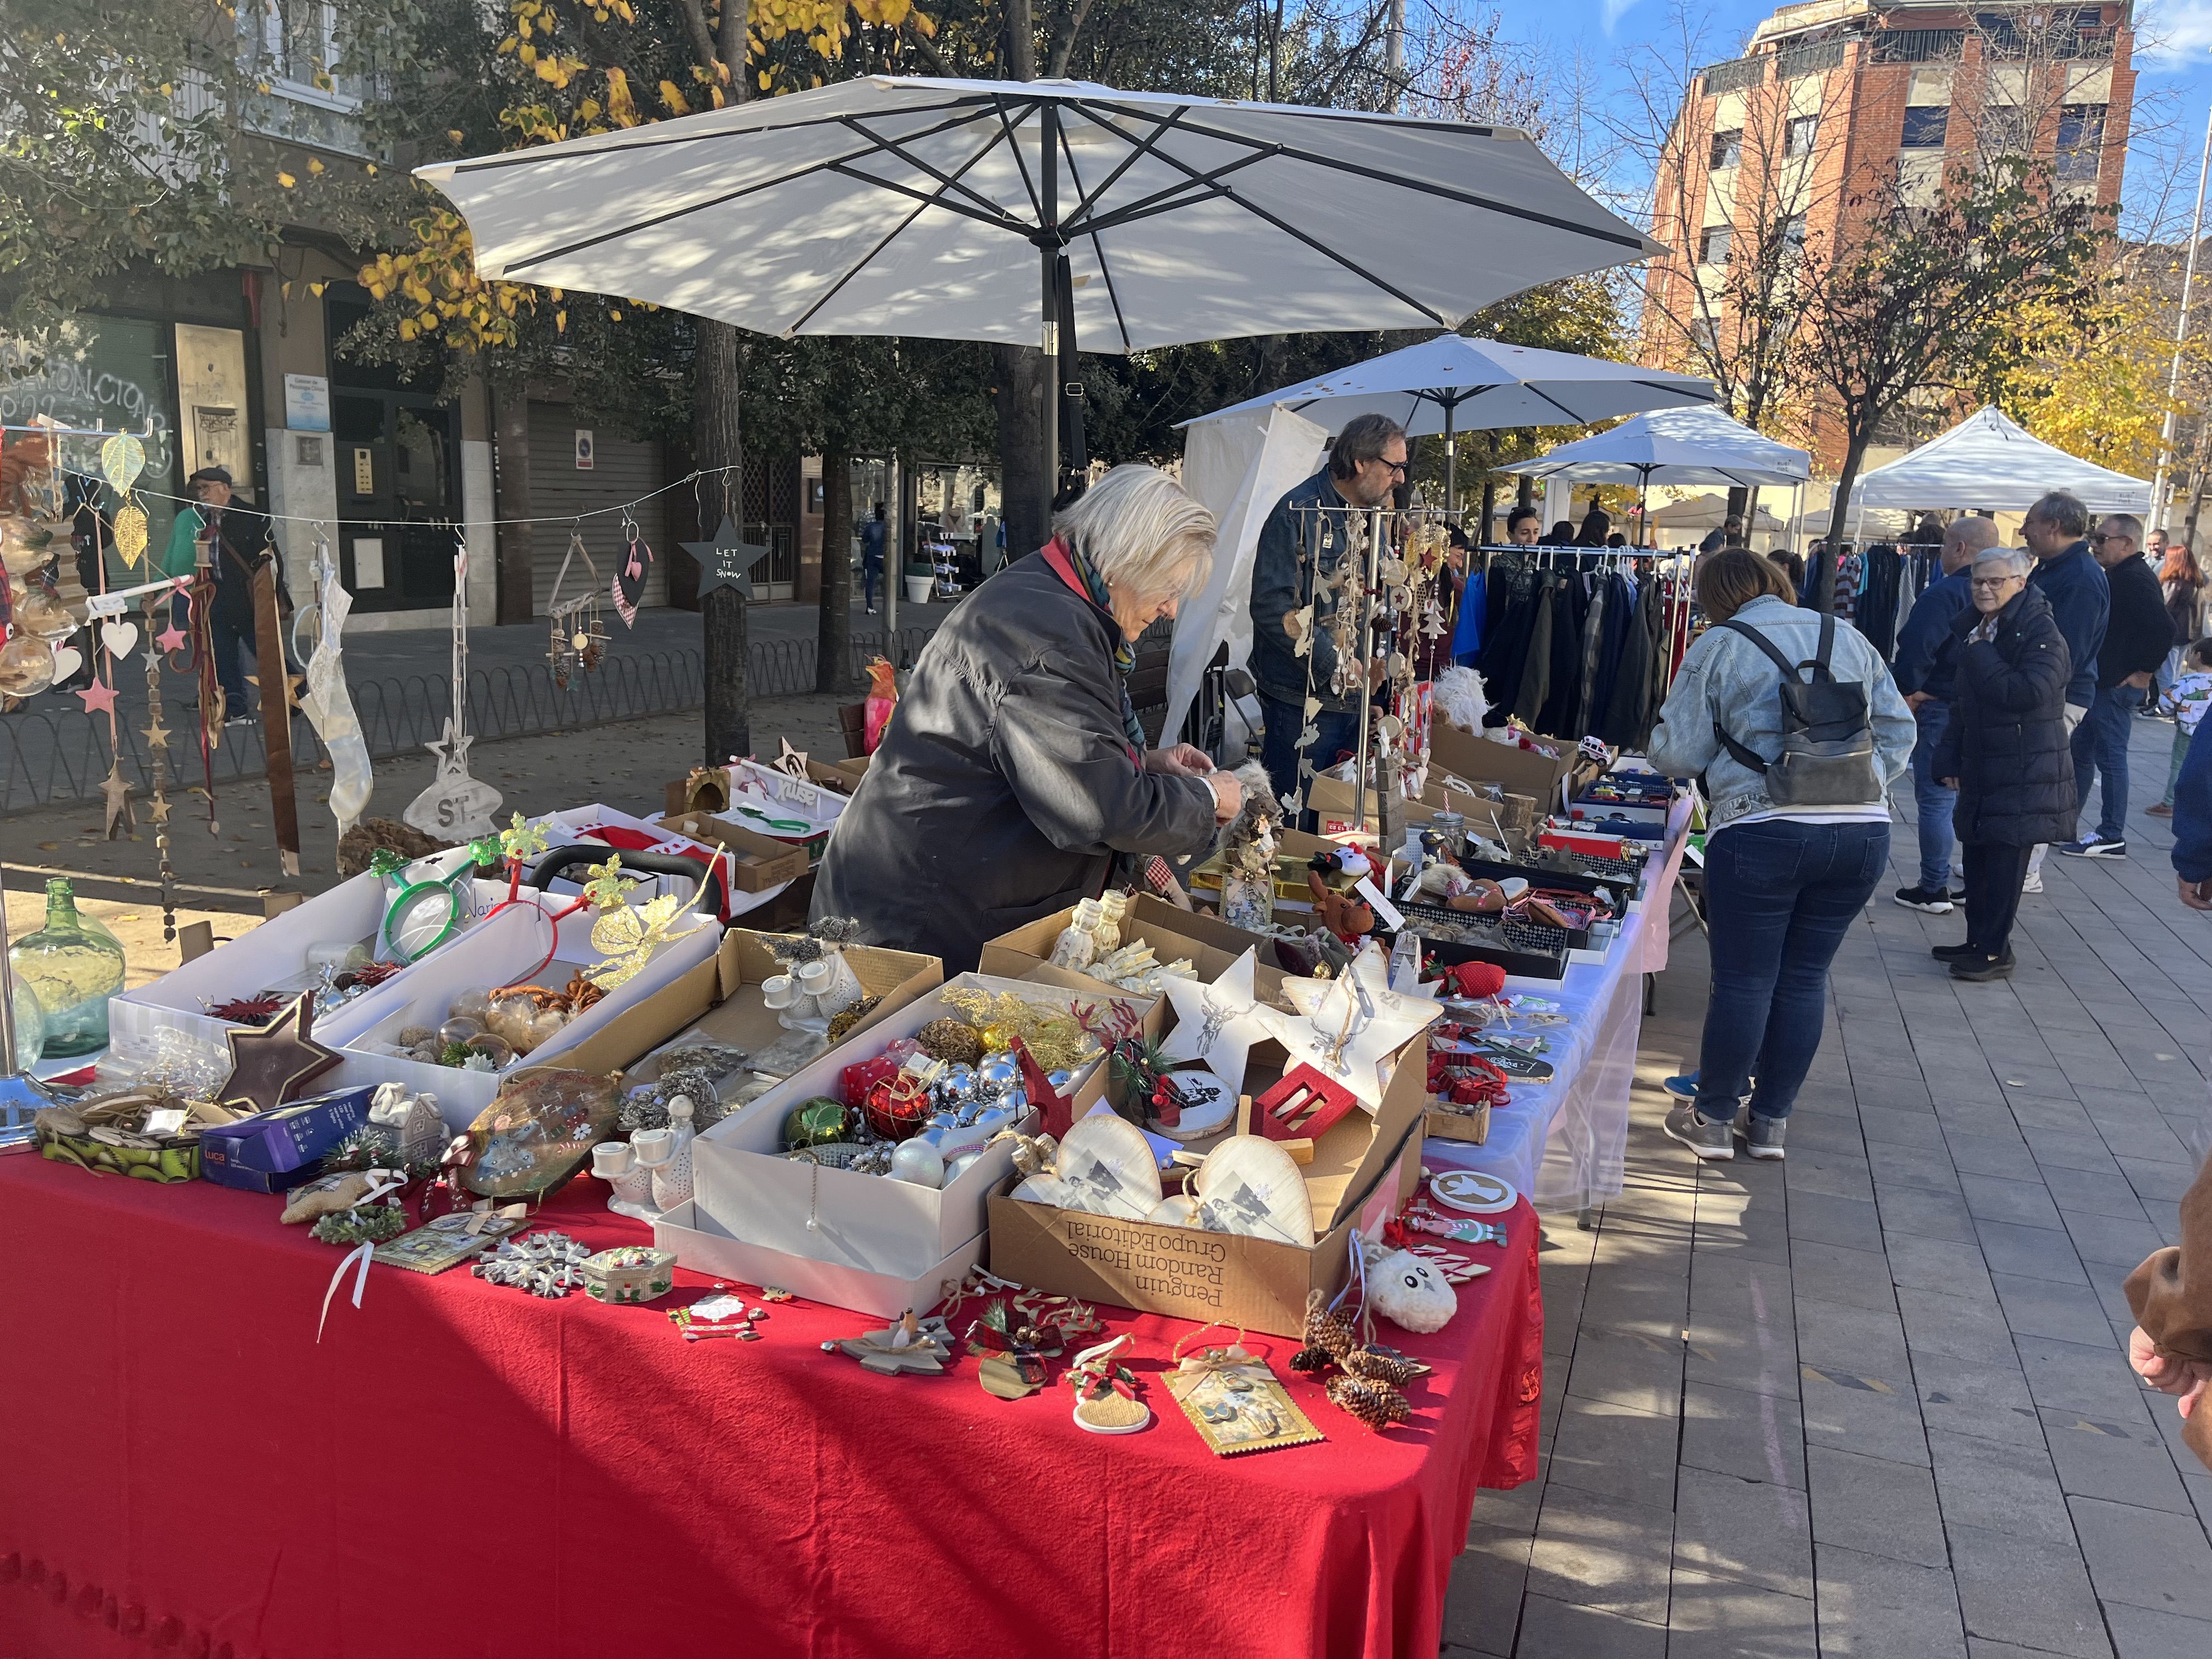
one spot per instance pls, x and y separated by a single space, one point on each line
1454 384
1990 461
1240 465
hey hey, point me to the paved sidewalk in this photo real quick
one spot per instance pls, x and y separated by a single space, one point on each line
1873 1402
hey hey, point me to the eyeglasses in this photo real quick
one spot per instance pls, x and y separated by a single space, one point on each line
1992 583
1397 467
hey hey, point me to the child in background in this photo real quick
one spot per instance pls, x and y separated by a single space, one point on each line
2186 701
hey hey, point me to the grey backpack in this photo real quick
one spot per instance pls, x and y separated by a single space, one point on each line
1827 756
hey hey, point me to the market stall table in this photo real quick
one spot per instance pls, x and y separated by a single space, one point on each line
459 1468
1564 1144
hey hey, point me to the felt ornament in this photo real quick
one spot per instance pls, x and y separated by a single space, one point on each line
1409 1292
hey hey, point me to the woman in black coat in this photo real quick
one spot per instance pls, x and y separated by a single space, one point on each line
1014 770
2005 751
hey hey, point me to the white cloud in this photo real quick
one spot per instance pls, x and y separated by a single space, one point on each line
2170 35
1614 10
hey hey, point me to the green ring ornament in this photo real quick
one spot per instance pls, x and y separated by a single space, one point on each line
459 909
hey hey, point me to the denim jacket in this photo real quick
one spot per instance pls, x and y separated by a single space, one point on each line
1725 677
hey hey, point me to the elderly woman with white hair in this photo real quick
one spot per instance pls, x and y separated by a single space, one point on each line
2005 751
1015 771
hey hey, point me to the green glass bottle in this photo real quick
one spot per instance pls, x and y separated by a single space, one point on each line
72 965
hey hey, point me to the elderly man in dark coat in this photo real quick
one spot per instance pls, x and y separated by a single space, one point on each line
2005 751
1014 771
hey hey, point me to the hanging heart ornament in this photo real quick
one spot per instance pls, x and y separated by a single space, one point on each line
121 638
630 579
67 660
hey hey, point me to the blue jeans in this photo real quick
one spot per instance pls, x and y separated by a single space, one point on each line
2100 745
871 566
1933 803
1779 897
1336 733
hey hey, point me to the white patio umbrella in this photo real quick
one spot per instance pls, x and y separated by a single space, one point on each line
1454 384
893 205
1674 447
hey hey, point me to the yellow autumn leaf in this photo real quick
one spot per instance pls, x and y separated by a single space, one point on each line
314 165
671 99
286 179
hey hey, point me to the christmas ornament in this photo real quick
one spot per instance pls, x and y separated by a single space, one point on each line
456 805
577 636
269 1066
328 703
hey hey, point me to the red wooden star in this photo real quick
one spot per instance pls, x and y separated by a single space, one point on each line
99 697
268 1066
171 638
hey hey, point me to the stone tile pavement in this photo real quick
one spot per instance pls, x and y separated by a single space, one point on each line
1873 1402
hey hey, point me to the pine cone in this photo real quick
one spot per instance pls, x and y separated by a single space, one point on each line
1312 1359
1325 1331
1393 1370
1376 1404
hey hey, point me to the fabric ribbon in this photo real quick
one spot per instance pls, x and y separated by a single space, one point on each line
359 1256
1078 573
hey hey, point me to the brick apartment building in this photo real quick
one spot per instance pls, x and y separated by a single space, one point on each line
1771 147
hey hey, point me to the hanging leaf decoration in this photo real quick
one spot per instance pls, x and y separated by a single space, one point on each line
131 534
122 458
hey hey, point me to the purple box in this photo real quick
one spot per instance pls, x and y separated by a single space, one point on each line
290 1139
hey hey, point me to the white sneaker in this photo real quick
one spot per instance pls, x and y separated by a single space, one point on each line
2034 883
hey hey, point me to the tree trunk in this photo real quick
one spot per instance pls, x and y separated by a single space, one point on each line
511 490
1739 506
1839 515
1524 493
833 645
1021 41
1482 536
1024 405
729 701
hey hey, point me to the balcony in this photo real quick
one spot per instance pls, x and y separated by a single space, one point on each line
1917 46
1733 75
1815 58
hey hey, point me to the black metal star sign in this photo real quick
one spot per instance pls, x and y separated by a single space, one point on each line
727 561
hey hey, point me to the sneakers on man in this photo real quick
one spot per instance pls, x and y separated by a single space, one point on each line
2163 809
1929 901
2034 882
2097 847
1762 1136
1954 953
1709 1138
1684 1087
1979 968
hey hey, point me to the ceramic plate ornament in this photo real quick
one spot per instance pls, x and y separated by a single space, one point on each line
1472 1193
1249 1185
1208 1104
1105 1167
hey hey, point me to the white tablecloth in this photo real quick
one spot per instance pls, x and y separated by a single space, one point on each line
1564 1144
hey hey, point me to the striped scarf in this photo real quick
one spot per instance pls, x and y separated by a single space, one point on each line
1078 572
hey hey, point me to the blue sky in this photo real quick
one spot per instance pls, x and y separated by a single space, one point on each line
2173 54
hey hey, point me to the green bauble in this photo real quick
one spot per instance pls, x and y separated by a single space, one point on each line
816 1122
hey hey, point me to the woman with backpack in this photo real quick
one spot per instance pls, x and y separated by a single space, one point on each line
1798 729
2005 751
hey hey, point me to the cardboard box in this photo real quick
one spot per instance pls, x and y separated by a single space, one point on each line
742 1185
1337 806
1479 760
1187 1273
1472 1125
701 1245
643 1011
736 1015
758 862
1172 933
289 1139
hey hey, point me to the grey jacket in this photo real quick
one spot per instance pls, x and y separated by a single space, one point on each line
1726 678
1005 782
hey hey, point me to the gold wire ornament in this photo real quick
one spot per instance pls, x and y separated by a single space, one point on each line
577 635
122 458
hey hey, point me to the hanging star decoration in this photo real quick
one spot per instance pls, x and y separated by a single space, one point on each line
1217 1023
269 1066
792 762
100 698
727 561
1344 1029
171 639
118 799
157 777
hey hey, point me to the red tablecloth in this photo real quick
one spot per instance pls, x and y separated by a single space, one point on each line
467 1470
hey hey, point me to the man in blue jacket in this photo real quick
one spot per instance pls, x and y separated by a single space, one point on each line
2057 531
1307 535
1924 674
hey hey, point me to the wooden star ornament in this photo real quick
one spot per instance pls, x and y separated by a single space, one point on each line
269 1066
1217 1023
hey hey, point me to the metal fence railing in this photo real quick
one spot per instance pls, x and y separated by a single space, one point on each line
52 749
